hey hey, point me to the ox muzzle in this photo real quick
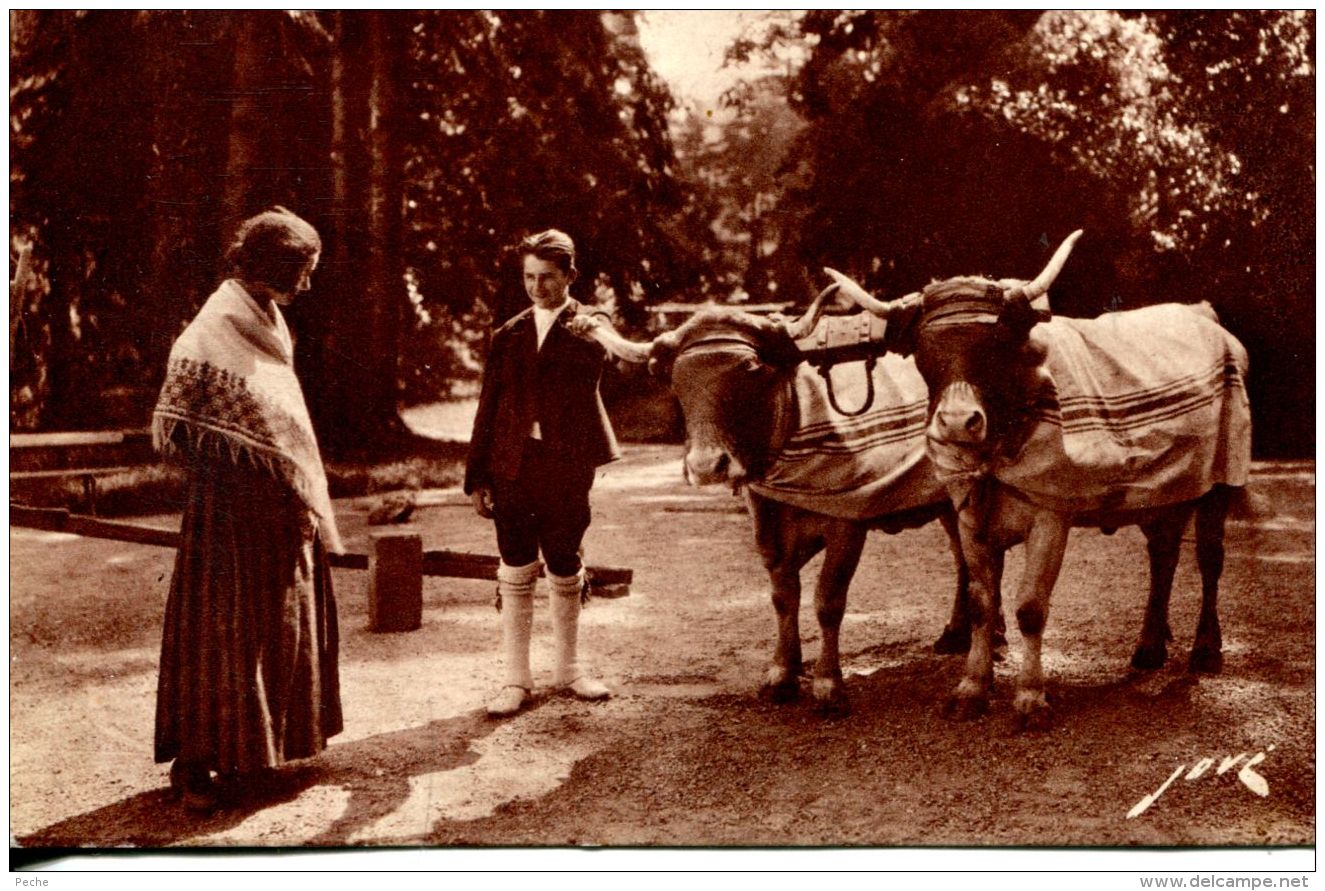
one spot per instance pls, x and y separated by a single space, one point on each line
959 416
705 465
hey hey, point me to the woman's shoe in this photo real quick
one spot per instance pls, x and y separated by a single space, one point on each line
191 784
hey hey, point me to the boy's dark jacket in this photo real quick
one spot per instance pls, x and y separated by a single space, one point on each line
557 386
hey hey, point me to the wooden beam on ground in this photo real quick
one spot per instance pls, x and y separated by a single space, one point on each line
67 472
87 475
80 449
130 532
70 438
348 561
605 581
457 564
46 519
60 520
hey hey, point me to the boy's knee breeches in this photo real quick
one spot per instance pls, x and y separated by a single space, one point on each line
546 509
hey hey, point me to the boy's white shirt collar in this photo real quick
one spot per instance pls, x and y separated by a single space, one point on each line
543 318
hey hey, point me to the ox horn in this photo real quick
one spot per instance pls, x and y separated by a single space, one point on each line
803 326
598 328
1039 286
859 296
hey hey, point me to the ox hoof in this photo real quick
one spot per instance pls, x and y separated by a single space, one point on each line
1206 661
1150 658
780 689
953 642
965 708
831 695
1034 715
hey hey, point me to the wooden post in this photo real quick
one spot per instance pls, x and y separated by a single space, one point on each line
395 582
90 492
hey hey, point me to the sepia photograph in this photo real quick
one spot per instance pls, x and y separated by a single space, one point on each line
455 438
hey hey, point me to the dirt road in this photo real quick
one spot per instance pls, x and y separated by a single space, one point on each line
685 753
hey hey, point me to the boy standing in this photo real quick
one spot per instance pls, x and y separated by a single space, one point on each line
540 433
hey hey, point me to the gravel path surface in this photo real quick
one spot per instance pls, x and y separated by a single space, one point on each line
685 754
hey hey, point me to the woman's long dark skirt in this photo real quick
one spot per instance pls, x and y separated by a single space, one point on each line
249 675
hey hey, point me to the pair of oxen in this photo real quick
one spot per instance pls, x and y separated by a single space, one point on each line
1018 426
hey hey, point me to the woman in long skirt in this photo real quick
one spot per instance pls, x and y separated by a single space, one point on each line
249 675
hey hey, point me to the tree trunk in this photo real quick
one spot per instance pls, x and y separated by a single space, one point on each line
178 192
247 118
64 358
384 276
335 283
352 378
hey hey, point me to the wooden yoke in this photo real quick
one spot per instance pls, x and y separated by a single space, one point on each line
837 339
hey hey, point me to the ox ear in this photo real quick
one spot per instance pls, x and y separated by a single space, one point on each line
777 341
903 334
1019 316
1035 351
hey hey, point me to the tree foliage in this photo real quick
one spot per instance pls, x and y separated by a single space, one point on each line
120 130
944 143
527 120
420 144
900 145
735 166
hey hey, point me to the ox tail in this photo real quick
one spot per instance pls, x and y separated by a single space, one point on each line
1248 504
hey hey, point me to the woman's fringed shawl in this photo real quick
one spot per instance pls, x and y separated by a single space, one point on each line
231 393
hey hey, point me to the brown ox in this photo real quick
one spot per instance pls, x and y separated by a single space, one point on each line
1135 418
742 388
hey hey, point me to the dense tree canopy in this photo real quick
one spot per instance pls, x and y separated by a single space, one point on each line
420 143
899 145
542 119
1183 143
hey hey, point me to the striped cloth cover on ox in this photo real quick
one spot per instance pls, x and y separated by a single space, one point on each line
856 467
1147 407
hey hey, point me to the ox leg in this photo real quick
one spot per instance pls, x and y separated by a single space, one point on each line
1044 558
1163 544
782 681
830 601
1207 653
785 545
971 698
1000 633
956 637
